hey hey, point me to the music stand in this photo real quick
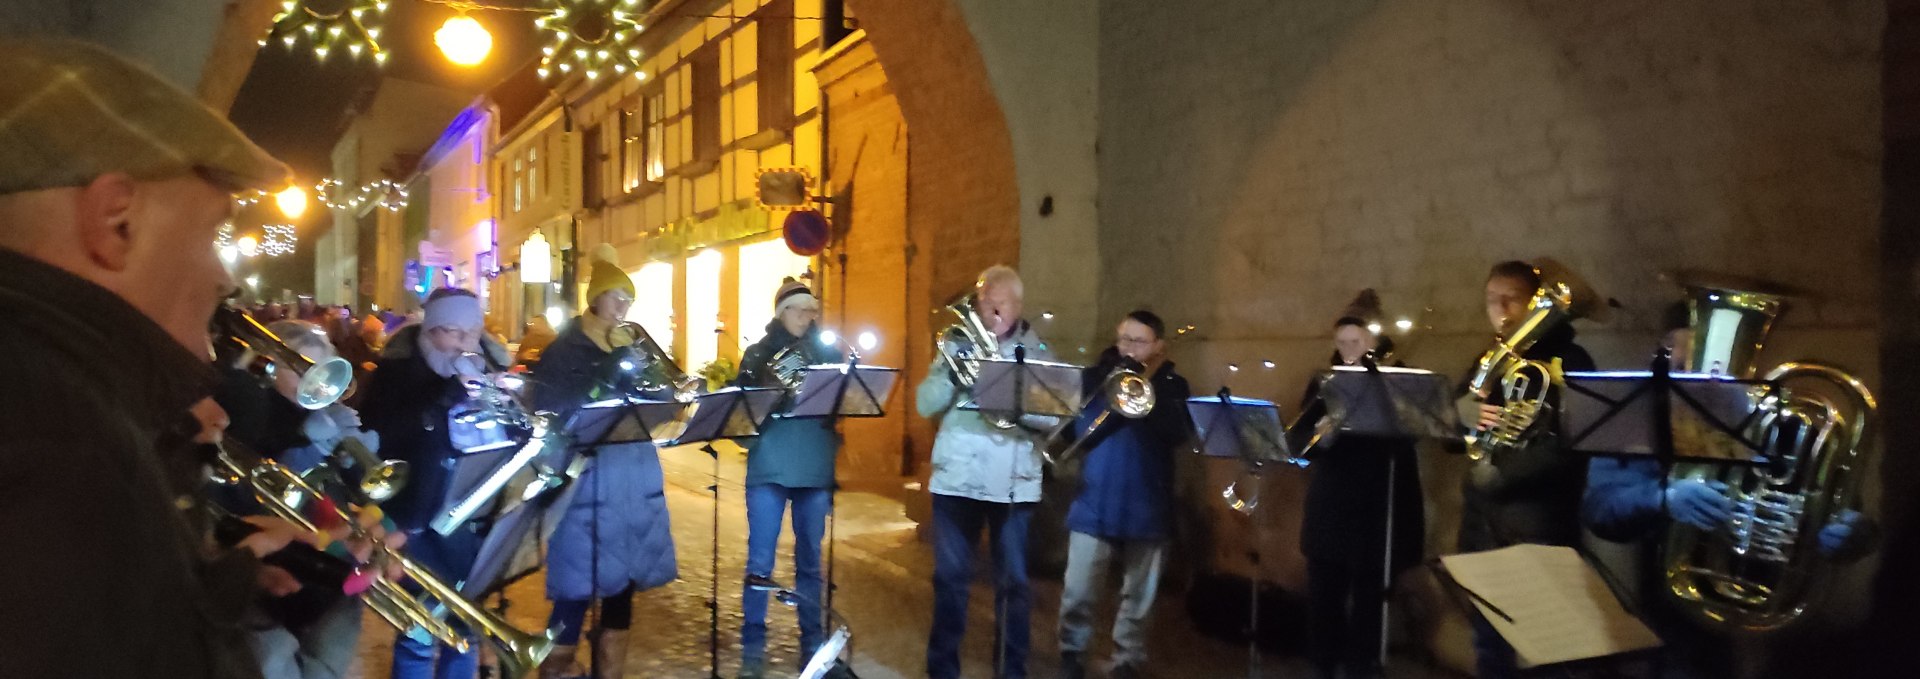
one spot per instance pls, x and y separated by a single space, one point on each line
843 390
1018 387
839 390
733 412
1393 403
1246 429
1620 414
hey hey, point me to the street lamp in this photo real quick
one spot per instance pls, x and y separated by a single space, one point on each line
463 40
248 246
292 201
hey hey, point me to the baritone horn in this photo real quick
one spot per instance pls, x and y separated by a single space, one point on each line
1527 386
320 383
964 343
1814 426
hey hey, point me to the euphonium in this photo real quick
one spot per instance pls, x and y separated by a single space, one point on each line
655 367
320 383
964 343
1526 386
1760 571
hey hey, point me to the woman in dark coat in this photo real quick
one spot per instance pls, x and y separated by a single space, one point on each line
610 535
1343 532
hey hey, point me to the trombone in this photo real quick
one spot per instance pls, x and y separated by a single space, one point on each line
519 653
1126 390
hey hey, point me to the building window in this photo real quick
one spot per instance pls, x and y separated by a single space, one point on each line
839 23
763 266
533 174
631 156
775 72
654 107
653 307
519 182
591 192
703 308
706 105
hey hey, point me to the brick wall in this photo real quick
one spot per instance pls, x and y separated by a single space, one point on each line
1260 162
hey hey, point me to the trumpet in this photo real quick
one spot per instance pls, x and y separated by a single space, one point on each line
964 343
519 652
379 479
655 367
1526 386
321 383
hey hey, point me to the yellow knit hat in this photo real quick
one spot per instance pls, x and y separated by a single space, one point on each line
605 274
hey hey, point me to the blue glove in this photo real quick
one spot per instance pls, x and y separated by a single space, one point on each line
1840 535
1701 504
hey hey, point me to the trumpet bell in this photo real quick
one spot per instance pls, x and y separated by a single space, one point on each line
324 383
383 482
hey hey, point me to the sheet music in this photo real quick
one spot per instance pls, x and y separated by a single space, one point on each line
1562 610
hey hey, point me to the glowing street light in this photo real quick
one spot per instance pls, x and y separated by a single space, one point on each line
248 245
463 40
292 201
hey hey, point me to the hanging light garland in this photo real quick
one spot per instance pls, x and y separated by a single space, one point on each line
351 26
593 37
384 193
279 240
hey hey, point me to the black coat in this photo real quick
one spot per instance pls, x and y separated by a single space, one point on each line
109 577
1346 509
1530 494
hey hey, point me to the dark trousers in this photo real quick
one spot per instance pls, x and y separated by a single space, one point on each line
1344 603
956 526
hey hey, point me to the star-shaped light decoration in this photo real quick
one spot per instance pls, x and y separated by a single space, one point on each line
351 26
594 37
385 193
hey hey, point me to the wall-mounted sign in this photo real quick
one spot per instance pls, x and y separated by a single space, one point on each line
806 232
784 188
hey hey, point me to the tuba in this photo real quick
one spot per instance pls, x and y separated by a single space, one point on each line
1761 570
653 365
320 383
1526 386
964 343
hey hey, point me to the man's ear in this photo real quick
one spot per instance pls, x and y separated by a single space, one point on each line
104 215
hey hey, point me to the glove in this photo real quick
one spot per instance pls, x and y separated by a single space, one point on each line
1843 534
1701 504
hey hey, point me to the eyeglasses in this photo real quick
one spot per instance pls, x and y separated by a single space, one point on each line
1135 340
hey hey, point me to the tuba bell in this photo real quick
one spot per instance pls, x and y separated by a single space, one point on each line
321 383
1527 386
964 343
1814 422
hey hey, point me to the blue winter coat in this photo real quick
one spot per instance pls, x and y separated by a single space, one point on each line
617 508
795 453
1126 479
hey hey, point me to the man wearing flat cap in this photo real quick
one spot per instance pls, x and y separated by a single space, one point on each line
112 186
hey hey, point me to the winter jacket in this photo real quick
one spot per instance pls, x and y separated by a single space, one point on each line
609 527
1347 490
407 404
1531 493
111 578
1126 478
795 453
972 458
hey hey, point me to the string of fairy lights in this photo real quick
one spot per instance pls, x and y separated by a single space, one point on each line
589 37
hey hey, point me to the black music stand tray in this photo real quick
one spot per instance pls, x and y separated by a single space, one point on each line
730 413
1394 403
1249 430
1018 387
843 390
1634 414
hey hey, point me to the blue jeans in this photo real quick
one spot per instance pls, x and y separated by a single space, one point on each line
766 508
956 526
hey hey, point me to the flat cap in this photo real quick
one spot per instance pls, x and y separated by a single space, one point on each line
70 112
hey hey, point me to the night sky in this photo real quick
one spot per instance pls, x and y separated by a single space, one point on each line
296 106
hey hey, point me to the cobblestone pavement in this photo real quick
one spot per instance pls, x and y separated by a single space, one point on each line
885 592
